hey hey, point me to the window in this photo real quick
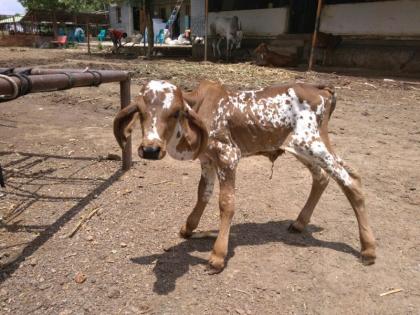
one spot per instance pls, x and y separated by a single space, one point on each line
118 13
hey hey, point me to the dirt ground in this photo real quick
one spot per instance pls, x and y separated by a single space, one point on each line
52 146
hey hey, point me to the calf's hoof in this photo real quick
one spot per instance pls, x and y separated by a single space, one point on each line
216 263
368 256
296 227
185 233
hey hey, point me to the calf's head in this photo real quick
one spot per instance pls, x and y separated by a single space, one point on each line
168 123
262 48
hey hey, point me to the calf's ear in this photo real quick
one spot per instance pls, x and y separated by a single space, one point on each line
124 123
194 131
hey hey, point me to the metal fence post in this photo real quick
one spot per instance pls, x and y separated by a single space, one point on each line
125 101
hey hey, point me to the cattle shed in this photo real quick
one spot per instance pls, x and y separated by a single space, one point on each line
129 16
38 27
374 34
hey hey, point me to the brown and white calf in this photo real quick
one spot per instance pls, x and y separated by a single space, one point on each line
266 57
220 127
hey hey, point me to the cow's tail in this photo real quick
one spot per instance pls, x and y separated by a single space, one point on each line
331 89
333 100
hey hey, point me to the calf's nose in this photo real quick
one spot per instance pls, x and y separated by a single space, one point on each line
149 153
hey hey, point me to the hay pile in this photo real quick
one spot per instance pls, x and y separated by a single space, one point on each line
188 74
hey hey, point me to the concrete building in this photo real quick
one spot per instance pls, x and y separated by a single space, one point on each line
380 34
375 33
130 18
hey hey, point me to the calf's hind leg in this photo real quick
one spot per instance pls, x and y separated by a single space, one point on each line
317 153
205 190
320 181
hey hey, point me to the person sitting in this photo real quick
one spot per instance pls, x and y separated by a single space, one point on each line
79 35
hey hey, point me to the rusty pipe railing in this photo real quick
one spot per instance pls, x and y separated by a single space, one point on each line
43 80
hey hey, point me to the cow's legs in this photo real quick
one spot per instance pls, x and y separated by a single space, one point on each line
316 152
227 209
219 41
205 190
320 181
213 44
228 41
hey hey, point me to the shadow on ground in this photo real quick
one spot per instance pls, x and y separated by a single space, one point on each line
23 176
174 262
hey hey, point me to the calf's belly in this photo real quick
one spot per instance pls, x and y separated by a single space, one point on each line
254 140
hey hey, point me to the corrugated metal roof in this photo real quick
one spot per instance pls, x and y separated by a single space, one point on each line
10 19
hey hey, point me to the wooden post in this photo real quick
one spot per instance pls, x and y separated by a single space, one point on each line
32 25
206 22
14 24
125 101
314 36
87 35
55 30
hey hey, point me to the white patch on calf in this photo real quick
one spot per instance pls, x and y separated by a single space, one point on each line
167 101
167 88
160 86
153 134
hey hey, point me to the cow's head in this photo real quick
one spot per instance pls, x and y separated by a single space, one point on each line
168 123
261 49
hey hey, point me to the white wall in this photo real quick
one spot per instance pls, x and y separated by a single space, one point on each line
259 22
126 18
198 12
400 17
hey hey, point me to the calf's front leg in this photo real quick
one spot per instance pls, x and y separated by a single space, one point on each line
227 209
205 191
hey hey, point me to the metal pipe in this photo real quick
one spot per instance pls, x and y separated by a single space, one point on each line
40 71
56 79
314 37
125 101
62 81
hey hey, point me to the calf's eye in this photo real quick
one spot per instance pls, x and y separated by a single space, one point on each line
176 114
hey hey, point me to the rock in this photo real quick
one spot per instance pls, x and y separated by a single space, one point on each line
123 245
89 238
80 277
3 294
113 293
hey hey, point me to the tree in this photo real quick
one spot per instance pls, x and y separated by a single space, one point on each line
70 5
50 5
85 5
148 7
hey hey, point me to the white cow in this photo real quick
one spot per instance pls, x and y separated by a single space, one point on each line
229 28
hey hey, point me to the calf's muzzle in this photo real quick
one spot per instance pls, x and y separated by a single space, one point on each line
150 152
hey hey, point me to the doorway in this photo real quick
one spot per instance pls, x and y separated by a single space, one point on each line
136 19
302 16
